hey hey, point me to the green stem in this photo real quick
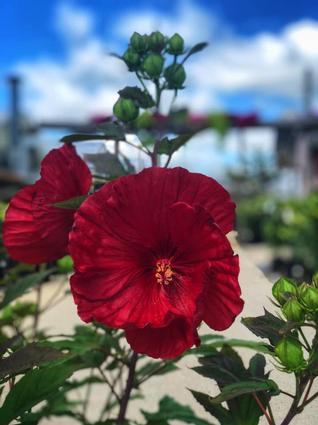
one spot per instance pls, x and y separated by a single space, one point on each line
305 340
143 84
158 93
294 408
271 413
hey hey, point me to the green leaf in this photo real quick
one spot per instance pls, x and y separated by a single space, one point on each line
195 49
209 348
4 346
27 357
82 138
34 387
220 413
108 164
71 203
266 326
155 368
20 287
169 146
245 387
112 130
257 366
170 410
225 366
143 99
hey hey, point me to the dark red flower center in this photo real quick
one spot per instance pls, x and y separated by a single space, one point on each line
164 273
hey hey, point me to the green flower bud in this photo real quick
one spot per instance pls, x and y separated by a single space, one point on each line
290 354
293 310
138 42
131 59
282 288
145 120
175 76
65 264
153 65
308 297
125 109
176 44
315 280
157 41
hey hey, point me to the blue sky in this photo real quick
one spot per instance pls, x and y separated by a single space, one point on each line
254 63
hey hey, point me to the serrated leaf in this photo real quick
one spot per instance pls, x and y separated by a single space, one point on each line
266 326
81 138
245 387
225 366
195 49
20 287
26 358
32 388
220 413
216 372
142 98
169 410
112 131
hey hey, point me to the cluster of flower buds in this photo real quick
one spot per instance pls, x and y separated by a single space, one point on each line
299 304
153 58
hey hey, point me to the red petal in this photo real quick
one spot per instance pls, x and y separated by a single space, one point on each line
34 230
20 232
120 233
164 343
221 299
163 187
115 273
120 298
64 174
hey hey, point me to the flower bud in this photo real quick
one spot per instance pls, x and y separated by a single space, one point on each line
293 310
145 120
131 59
175 76
290 354
125 109
153 65
138 42
157 41
282 288
308 297
315 280
176 44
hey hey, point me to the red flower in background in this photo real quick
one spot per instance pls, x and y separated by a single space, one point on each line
34 230
151 257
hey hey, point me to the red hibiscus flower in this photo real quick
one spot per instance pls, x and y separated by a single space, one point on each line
151 257
34 230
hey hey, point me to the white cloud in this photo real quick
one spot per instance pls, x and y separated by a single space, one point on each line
73 23
193 22
86 82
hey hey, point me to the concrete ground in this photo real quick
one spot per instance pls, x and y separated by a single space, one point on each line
256 290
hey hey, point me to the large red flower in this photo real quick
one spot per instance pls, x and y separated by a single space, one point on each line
151 257
34 230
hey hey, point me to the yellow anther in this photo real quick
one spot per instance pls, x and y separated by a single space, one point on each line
164 274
